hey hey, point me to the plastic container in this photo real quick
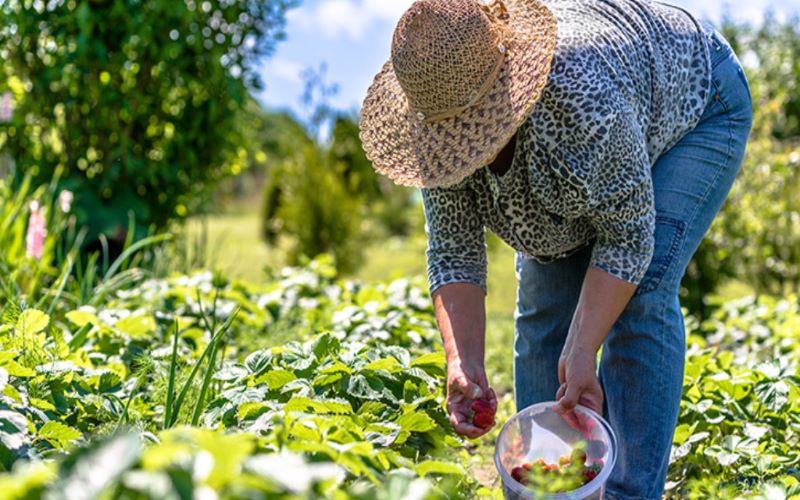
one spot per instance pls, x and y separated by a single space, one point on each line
538 432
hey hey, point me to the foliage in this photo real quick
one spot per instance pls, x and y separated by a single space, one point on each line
307 199
328 199
365 397
138 106
755 239
739 426
308 385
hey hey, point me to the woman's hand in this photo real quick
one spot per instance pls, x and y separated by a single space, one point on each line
603 298
464 386
577 373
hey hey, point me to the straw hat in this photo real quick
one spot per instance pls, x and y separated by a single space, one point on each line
462 78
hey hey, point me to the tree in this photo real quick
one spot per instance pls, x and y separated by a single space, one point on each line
137 101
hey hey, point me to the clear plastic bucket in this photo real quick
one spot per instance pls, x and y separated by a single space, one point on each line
537 432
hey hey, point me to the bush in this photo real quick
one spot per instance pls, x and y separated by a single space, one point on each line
306 199
756 237
139 105
328 198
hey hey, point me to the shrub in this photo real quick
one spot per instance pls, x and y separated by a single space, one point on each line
306 199
138 105
756 239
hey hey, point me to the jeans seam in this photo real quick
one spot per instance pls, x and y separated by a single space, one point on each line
712 184
662 382
675 246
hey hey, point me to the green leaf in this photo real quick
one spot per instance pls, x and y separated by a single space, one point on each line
361 387
32 321
13 429
322 406
276 379
58 434
17 370
82 318
251 409
258 361
77 340
416 421
388 364
138 327
436 359
774 395
437 467
325 345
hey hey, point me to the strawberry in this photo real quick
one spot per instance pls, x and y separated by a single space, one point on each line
483 420
483 414
481 406
589 474
518 473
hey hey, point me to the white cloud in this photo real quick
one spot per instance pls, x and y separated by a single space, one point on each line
284 69
349 18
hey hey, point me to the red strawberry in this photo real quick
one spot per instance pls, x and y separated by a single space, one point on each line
481 406
589 474
483 420
518 473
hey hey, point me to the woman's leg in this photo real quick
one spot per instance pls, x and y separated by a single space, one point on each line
546 299
644 355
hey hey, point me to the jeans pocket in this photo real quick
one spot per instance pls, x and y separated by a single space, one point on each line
668 238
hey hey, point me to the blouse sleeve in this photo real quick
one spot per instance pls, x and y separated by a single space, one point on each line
620 202
456 242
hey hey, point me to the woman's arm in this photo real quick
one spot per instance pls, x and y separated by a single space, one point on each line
602 300
461 315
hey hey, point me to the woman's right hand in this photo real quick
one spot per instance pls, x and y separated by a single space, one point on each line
466 384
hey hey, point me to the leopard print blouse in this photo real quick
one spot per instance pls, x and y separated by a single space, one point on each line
629 78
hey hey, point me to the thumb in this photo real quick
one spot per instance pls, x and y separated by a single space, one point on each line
568 400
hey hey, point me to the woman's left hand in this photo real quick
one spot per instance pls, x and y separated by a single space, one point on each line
577 373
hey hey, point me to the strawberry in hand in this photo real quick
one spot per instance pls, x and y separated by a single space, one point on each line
483 416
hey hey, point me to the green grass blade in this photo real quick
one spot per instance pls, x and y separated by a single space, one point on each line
79 338
124 415
188 383
63 284
145 242
173 362
210 369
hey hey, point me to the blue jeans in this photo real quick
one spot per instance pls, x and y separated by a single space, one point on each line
642 363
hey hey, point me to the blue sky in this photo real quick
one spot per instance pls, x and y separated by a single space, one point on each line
352 37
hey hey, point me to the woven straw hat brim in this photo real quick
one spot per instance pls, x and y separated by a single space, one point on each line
443 153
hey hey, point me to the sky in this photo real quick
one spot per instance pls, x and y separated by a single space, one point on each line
352 39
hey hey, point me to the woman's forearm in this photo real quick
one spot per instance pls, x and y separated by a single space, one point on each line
461 315
602 300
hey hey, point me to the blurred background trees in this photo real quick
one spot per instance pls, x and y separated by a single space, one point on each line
756 238
139 102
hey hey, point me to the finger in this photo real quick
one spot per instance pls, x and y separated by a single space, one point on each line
469 430
593 401
562 370
560 392
569 400
492 396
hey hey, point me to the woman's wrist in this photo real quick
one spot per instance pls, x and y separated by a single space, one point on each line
470 364
581 341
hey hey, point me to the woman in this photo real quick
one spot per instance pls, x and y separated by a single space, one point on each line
599 139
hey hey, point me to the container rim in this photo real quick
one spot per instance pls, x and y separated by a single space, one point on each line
585 490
